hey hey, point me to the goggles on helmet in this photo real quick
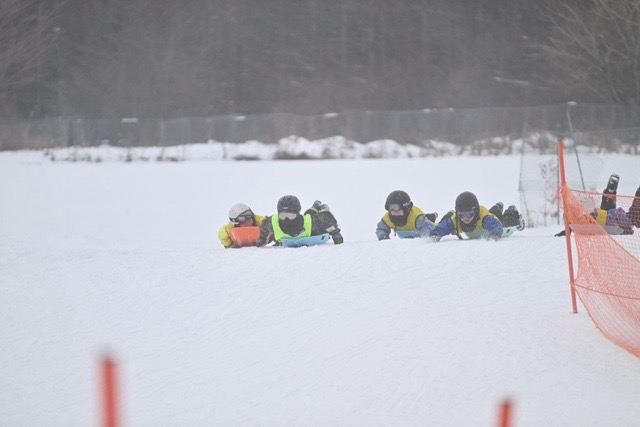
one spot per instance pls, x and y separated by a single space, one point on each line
287 215
467 216
242 218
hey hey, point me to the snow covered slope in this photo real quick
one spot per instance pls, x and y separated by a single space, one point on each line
124 257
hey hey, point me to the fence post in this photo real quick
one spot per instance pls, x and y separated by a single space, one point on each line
567 230
504 418
109 392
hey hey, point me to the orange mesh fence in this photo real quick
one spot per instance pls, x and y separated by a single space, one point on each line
608 252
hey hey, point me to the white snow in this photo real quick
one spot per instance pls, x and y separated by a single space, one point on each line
123 257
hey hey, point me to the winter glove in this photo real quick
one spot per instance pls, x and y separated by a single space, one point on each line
424 226
560 234
337 238
265 234
382 234
493 236
319 206
432 216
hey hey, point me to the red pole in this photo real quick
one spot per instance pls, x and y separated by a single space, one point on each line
504 419
109 393
567 230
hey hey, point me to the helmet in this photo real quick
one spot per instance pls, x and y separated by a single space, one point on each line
467 203
239 213
399 198
289 204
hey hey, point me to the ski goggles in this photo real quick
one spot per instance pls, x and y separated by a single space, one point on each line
287 215
466 216
242 218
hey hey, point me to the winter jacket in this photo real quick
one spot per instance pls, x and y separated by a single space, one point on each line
224 233
487 225
417 225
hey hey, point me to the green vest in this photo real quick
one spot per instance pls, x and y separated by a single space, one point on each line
279 235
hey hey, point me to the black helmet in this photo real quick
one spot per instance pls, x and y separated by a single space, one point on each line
400 198
289 204
468 202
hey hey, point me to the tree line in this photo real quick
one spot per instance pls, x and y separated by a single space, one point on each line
164 59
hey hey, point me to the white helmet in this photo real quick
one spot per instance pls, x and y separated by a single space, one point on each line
239 212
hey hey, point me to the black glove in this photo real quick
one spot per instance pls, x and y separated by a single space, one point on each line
319 206
265 235
337 238
559 234
382 235
432 216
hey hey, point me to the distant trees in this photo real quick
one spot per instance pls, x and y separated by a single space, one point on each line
592 49
162 58
27 36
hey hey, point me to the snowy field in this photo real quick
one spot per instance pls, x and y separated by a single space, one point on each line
124 257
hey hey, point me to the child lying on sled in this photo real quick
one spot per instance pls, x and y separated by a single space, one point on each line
288 226
242 228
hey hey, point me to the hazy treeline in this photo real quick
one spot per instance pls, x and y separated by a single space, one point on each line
167 58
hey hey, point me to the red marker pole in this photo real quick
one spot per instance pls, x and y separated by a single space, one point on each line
109 392
567 231
504 418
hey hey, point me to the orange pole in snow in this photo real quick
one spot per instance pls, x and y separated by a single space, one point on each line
567 230
505 414
109 393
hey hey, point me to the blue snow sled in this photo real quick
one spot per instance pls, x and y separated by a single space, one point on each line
297 242
508 231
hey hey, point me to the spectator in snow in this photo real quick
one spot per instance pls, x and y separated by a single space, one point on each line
288 223
405 219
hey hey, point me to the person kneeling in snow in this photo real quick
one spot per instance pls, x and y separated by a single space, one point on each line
289 223
240 215
473 221
405 219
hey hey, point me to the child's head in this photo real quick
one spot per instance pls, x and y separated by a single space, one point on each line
467 207
241 215
398 204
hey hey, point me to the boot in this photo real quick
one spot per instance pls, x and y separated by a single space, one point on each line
608 197
512 217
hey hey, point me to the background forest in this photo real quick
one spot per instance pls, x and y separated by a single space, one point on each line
164 59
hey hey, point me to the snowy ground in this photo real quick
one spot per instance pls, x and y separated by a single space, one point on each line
124 257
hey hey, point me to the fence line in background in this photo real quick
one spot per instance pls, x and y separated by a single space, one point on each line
461 126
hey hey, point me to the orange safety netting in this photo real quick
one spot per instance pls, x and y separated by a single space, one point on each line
608 277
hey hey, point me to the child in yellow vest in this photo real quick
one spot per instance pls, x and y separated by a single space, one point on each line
405 219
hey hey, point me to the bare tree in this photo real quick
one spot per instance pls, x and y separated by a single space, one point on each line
593 48
27 35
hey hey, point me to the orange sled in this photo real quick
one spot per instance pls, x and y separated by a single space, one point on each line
245 236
